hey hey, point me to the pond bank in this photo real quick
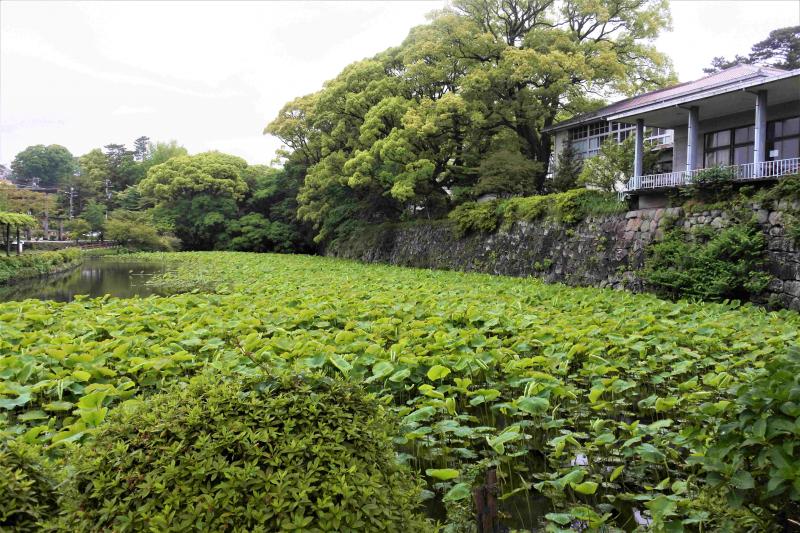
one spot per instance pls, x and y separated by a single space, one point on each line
91 277
31 265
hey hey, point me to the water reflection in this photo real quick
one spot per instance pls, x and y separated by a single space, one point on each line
95 277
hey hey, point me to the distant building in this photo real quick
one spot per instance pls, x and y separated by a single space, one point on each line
746 117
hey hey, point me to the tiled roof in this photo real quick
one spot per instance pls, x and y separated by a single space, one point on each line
718 80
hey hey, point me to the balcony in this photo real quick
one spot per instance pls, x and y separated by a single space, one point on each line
748 172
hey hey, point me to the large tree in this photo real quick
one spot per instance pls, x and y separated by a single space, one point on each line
781 49
461 105
198 195
47 165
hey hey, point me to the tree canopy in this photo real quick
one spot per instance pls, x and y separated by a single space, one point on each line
781 49
459 107
187 176
50 165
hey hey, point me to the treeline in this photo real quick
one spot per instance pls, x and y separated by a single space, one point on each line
158 197
455 112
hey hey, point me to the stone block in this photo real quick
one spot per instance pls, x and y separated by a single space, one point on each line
776 285
762 216
717 222
645 226
792 288
632 214
774 218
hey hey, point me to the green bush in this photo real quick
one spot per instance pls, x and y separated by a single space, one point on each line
567 207
475 217
31 264
710 264
27 496
754 461
290 453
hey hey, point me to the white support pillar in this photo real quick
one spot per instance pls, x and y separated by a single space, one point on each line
760 141
692 141
638 153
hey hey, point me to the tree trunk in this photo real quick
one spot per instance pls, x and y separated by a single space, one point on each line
8 240
19 246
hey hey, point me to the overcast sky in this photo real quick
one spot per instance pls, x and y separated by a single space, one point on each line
212 75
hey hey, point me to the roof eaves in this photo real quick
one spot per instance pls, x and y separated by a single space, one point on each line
610 112
702 94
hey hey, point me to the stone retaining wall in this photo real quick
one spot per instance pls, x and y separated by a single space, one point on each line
605 251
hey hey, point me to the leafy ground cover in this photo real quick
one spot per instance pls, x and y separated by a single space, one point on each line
597 408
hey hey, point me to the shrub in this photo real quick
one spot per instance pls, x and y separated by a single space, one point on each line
568 168
567 207
303 453
32 264
754 461
27 496
614 164
136 230
475 216
712 265
713 177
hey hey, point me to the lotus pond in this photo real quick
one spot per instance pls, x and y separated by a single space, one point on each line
598 409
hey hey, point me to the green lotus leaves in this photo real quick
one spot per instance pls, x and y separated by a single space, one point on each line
437 372
443 474
590 398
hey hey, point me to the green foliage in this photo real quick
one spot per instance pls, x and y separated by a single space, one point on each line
209 173
51 165
568 207
754 462
95 215
27 492
137 231
36 263
460 106
255 233
16 220
568 169
161 152
200 222
507 172
481 217
614 164
78 228
711 265
781 49
522 376
295 453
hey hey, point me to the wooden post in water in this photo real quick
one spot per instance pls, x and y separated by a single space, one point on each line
486 504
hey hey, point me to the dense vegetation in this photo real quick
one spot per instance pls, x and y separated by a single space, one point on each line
289 453
158 197
593 405
36 264
458 109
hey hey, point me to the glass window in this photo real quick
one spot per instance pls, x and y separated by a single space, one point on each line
743 155
744 135
717 157
791 126
788 148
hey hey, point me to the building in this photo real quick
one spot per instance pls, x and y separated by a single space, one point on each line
746 117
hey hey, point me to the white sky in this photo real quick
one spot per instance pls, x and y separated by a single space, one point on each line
212 75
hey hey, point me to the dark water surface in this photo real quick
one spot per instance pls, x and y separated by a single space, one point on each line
94 277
